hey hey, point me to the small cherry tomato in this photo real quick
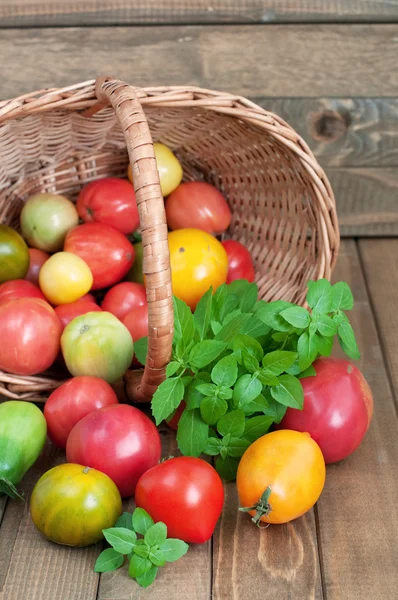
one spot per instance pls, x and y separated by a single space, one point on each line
136 322
198 204
169 167
19 288
123 298
240 264
67 312
14 255
72 401
37 260
64 278
110 201
280 476
198 261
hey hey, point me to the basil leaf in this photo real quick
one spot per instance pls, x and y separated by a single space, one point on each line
307 349
236 447
174 549
347 340
157 558
342 298
172 368
319 296
184 326
219 298
269 314
215 327
310 372
238 288
213 446
233 328
147 578
246 389
255 328
141 349
267 378
231 315
278 361
257 427
227 467
225 393
212 409
142 521
125 521
167 398
141 550
249 344
202 314
192 433
225 371
122 540
193 397
108 560
326 326
260 404
248 297
203 353
207 389
289 392
275 410
232 423
138 566
324 345
230 304
250 362
297 316
156 535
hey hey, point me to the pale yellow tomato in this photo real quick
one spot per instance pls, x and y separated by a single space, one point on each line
169 167
64 278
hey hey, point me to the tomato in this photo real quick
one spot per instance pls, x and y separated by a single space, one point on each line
291 465
65 278
240 264
118 440
97 344
198 204
194 493
136 273
37 260
46 219
67 312
110 201
169 168
72 401
29 333
107 252
14 255
338 407
19 288
198 261
173 420
123 298
71 504
136 322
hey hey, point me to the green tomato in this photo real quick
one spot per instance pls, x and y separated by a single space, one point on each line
135 273
97 344
46 219
14 255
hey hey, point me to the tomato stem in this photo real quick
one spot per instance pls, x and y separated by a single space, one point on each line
7 487
262 507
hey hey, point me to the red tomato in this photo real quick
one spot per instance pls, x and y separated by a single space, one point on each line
107 252
194 493
37 260
338 407
72 401
30 334
173 420
19 288
123 298
200 205
110 201
120 440
67 312
136 322
240 264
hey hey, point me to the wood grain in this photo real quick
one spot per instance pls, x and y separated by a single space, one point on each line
189 577
380 263
3 502
279 61
357 510
103 12
277 562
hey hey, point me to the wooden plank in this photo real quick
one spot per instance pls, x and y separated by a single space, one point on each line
33 568
3 502
279 61
380 263
103 12
357 510
189 577
367 201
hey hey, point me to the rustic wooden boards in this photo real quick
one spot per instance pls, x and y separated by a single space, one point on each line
104 12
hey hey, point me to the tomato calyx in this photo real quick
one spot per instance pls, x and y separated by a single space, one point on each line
262 507
8 488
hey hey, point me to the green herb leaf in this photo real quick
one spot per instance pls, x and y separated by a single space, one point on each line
184 326
193 397
166 398
215 327
202 314
307 350
219 298
270 315
233 328
141 349
236 447
297 316
342 297
108 560
248 297
326 326
203 353
249 344
231 315
147 578
289 392
172 368
230 304
267 378
213 446
138 566
156 535
174 549
142 521
233 423
324 345
192 433
257 427
157 558
255 328
246 389
310 372
122 540
275 410
212 409
141 549
180 350
319 296
225 393
225 371
260 404
207 389
250 362
347 340
227 467
125 521
277 362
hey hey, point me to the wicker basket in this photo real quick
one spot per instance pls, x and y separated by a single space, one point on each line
283 206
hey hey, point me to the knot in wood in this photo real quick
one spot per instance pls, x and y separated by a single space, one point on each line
329 126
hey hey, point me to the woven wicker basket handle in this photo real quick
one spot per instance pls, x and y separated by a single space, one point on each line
156 262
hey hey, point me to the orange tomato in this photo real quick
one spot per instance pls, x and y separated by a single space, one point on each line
169 168
64 278
280 476
198 261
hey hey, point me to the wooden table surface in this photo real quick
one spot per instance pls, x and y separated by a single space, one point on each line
329 68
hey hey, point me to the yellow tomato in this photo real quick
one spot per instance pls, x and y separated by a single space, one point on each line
169 167
198 261
64 278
